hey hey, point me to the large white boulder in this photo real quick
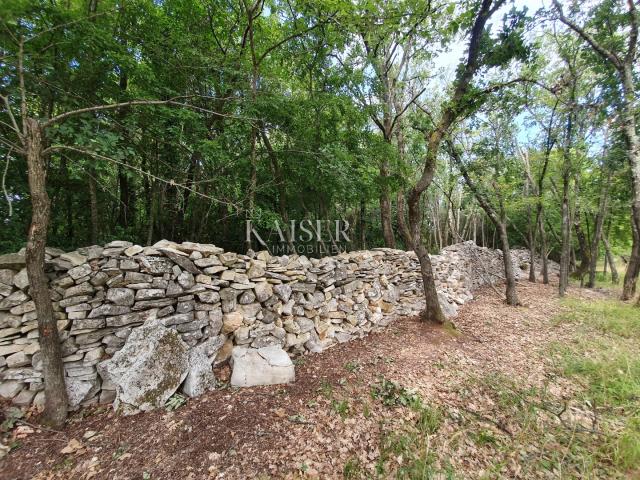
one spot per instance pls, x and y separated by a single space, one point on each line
148 369
261 366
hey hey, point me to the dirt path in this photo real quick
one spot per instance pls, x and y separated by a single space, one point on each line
328 423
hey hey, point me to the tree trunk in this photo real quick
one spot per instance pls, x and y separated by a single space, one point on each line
93 201
565 252
633 156
633 267
543 247
597 231
363 225
55 412
612 263
385 209
432 311
402 223
511 293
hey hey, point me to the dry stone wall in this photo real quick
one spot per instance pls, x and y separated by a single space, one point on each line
215 300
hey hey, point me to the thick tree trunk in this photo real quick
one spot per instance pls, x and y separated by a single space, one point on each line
633 157
432 311
510 293
55 412
633 267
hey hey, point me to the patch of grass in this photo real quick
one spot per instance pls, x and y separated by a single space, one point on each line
429 419
326 389
485 437
608 316
392 394
608 366
340 407
352 470
352 366
405 452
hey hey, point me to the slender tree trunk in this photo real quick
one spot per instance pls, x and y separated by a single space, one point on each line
363 225
531 232
612 263
280 185
565 252
93 201
511 293
597 231
55 412
385 208
402 223
543 247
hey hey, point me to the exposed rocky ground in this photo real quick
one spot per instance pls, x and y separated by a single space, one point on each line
352 411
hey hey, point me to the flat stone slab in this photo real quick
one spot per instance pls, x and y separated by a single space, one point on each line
261 366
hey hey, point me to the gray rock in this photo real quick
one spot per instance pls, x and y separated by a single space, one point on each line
186 280
148 369
200 377
74 258
133 317
149 293
209 296
79 390
180 259
12 261
83 289
121 296
155 265
10 389
21 280
6 276
108 310
16 298
283 291
178 319
262 366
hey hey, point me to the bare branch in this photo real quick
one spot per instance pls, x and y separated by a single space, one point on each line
291 37
14 124
4 180
23 90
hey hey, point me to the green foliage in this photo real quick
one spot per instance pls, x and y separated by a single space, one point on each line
175 402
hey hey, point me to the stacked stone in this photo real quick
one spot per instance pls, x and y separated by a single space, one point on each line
215 300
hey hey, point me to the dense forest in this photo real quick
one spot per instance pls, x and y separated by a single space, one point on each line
273 111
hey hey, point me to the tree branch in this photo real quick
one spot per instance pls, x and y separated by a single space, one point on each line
601 50
172 102
4 179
